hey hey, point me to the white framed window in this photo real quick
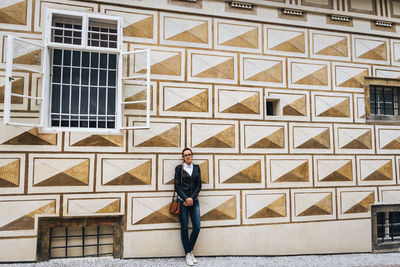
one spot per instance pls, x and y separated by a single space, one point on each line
85 76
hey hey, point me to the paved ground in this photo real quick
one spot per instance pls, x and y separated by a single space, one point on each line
364 259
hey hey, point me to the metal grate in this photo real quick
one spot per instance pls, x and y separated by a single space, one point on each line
83 89
388 227
78 242
102 34
66 30
384 100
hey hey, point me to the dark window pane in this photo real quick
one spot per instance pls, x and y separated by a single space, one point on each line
66 75
64 121
270 108
57 56
111 101
85 59
85 77
93 100
75 75
67 58
76 58
103 77
103 60
55 99
65 99
94 63
84 100
102 100
111 77
56 74
55 120
112 61
93 77
75 100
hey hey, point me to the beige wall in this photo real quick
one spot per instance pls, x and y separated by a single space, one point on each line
308 175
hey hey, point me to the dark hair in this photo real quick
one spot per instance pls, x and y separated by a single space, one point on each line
185 149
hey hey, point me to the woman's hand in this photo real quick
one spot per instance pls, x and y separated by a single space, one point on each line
188 202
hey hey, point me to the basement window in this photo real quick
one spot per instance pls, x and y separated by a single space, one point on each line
272 106
61 238
385 221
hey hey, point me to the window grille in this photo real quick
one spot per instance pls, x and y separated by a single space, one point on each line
384 100
66 29
79 242
385 223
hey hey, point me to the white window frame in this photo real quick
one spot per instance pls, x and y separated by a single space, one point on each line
45 120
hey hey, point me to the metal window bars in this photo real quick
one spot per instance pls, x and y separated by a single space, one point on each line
384 100
388 226
79 242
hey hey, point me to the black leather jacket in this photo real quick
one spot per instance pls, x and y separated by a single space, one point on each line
191 185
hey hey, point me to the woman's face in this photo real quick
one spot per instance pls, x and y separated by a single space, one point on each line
187 157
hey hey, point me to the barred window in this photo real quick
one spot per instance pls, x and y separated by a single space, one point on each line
384 100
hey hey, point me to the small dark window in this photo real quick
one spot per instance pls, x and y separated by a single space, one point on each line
270 108
384 100
385 227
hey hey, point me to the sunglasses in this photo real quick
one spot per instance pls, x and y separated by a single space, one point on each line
187 155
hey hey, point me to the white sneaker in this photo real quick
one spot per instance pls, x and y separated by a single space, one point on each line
189 259
193 258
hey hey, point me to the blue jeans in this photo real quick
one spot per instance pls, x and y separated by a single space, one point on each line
194 212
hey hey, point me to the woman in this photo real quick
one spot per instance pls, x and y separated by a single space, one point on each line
189 203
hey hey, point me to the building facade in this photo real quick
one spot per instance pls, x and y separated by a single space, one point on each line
272 97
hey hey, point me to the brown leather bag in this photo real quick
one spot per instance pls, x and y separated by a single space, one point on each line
174 207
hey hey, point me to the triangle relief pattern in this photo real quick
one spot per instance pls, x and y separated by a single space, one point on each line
54 172
332 107
309 74
263 70
186 29
330 45
20 136
356 202
311 137
14 12
289 172
213 135
238 35
20 214
126 172
239 102
95 140
244 171
264 137
355 138
350 76
103 204
159 135
186 98
376 171
314 205
335 170
371 49
389 139
17 87
10 172
286 40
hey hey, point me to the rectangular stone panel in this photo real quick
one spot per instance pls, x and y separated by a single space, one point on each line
50 173
332 107
182 30
211 136
164 135
389 194
395 46
238 102
313 204
263 137
356 202
20 213
386 72
330 45
212 67
16 14
311 138
168 163
237 36
354 139
12 173
239 172
334 171
285 41
20 85
121 172
262 70
138 25
368 49
289 105
265 206
185 100
94 204
90 142
376 170
349 77
166 63
362 6
387 139
134 92
20 138
309 74
289 171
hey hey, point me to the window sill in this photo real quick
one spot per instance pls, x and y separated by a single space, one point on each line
383 119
